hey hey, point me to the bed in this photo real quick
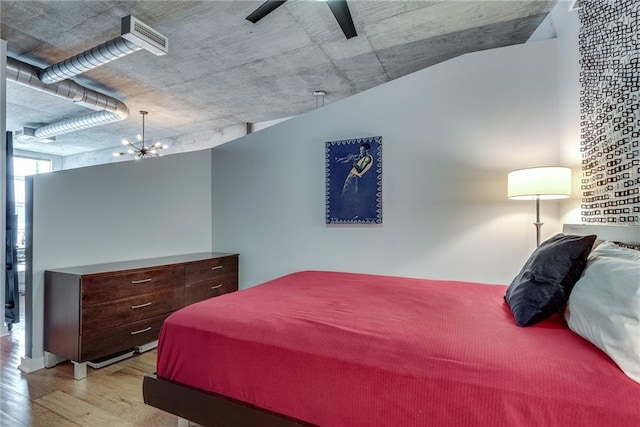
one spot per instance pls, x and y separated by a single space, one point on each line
345 349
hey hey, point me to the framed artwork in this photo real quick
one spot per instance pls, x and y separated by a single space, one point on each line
354 181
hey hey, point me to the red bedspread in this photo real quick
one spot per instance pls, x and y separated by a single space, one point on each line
342 349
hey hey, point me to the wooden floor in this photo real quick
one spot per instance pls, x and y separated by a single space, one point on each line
111 396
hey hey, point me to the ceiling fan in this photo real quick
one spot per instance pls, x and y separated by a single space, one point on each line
339 8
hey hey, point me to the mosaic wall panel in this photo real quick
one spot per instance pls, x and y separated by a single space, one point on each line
609 41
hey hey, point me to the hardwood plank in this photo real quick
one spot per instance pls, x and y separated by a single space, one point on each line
45 381
111 396
120 391
12 380
80 411
18 410
44 417
15 406
145 362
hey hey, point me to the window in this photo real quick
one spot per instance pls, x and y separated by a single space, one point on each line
22 167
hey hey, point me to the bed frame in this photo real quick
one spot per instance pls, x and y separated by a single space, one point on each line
206 408
211 409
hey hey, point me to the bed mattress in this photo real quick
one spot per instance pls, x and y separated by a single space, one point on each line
345 349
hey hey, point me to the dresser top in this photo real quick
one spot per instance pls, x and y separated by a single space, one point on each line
140 263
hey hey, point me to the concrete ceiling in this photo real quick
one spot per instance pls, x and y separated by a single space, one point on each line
223 70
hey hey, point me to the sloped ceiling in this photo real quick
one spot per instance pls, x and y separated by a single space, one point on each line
223 70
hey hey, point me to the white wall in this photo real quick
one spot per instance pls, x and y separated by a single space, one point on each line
567 26
563 24
450 135
130 210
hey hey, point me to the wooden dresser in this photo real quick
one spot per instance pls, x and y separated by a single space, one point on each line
93 312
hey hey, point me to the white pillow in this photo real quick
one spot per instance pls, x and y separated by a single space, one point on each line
604 306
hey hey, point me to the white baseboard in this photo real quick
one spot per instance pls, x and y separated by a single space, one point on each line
28 365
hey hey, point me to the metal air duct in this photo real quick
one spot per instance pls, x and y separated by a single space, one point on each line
110 109
88 60
135 35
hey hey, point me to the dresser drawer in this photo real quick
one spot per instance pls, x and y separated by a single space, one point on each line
115 313
209 289
104 287
222 269
110 341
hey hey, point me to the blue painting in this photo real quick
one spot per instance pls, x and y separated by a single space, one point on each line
354 181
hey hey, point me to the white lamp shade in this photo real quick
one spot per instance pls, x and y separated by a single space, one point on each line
539 183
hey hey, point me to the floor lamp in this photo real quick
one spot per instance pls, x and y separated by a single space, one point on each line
541 183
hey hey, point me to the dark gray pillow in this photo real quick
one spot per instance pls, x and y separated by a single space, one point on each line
543 285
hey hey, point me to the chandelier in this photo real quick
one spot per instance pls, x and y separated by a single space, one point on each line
139 150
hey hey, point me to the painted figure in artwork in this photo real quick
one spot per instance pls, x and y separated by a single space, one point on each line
354 181
351 196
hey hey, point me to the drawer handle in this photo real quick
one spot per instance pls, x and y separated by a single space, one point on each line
133 307
135 282
217 286
217 267
141 331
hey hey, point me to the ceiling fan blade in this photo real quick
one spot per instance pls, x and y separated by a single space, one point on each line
264 9
340 10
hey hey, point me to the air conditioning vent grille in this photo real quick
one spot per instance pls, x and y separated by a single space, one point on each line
150 34
144 36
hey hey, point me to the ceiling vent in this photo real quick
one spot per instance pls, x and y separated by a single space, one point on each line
144 36
27 134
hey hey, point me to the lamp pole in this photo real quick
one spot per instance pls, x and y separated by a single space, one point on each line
538 224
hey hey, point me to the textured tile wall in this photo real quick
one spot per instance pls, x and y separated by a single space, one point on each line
609 41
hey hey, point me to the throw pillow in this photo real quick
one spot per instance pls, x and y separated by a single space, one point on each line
544 284
604 307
